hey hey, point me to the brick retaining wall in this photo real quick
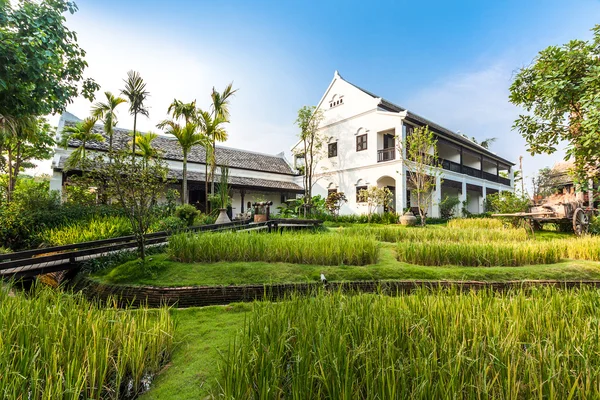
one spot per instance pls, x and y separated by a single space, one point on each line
198 296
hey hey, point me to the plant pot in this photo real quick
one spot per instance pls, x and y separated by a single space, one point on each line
223 217
408 219
260 217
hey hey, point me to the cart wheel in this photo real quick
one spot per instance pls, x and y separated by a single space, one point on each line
581 222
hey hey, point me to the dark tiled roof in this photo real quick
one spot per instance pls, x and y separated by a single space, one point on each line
233 158
236 181
389 106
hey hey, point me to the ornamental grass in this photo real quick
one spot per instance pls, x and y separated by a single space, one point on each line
478 254
55 345
106 227
478 223
297 248
540 343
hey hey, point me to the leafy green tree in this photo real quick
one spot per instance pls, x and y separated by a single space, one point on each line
309 118
41 64
145 148
212 128
334 202
560 91
188 136
375 197
83 132
136 93
106 111
220 112
22 142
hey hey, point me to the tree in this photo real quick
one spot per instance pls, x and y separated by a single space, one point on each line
334 202
309 119
187 136
375 197
422 167
83 132
145 148
136 188
106 111
212 128
41 64
23 141
136 93
544 184
220 112
560 91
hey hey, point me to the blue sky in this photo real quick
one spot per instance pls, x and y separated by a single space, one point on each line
451 62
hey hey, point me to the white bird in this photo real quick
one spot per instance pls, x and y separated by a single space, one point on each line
323 279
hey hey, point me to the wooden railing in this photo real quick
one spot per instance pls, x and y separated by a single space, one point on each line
463 169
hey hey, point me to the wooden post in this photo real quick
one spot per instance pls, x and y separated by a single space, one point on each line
242 194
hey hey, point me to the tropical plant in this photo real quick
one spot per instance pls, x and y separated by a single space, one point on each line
211 127
83 132
106 111
313 140
334 202
186 213
223 188
136 93
145 148
220 111
448 206
375 197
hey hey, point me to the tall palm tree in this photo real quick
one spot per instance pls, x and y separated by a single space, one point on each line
106 112
82 131
487 142
220 111
212 127
188 136
179 109
135 91
145 148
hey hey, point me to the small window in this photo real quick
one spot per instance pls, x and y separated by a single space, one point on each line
361 142
332 149
358 189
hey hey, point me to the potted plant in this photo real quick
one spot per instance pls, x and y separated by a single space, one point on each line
408 218
222 197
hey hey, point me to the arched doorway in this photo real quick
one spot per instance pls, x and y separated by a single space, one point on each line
389 183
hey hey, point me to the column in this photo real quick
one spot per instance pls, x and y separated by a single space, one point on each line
437 198
401 190
463 193
482 199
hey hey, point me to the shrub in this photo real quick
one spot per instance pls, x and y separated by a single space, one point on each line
320 249
85 231
169 224
427 345
186 213
478 254
448 206
59 345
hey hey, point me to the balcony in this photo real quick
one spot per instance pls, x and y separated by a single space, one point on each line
471 171
474 172
386 154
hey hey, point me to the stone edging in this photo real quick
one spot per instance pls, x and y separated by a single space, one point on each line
199 296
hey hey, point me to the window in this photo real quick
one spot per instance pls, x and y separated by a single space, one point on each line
332 149
361 142
336 102
358 189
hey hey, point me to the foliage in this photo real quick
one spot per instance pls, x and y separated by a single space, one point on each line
322 249
334 202
97 228
422 167
375 197
187 213
136 189
481 223
106 111
448 206
560 92
309 119
544 184
383 218
223 189
82 132
427 345
507 203
136 94
170 224
41 64
59 345
23 142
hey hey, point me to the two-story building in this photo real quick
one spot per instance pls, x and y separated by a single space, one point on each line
361 130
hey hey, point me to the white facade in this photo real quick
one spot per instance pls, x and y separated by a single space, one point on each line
350 112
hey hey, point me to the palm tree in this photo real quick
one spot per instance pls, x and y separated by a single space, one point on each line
82 131
487 142
180 109
106 112
135 91
188 136
145 148
211 126
220 111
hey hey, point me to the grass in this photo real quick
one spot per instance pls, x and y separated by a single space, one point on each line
57 345
103 227
542 343
298 248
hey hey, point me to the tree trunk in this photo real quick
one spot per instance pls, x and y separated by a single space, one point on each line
184 195
10 187
206 204
134 131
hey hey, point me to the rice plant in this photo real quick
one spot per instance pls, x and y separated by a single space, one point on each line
55 345
398 233
105 227
478 223
580 248
299 248
543 343
478 254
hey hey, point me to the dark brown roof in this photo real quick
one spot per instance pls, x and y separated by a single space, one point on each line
412 117
235 181
233 158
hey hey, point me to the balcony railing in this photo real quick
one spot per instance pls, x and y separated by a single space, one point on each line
386 154
451 165
463 169
471 171
490 177
504 181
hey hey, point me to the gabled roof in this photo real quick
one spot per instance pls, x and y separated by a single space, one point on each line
417 119
234 158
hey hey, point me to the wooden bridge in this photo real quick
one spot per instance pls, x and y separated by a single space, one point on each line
30 263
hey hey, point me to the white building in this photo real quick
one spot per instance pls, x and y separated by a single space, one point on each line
252 176
361 130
